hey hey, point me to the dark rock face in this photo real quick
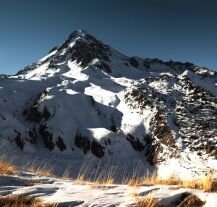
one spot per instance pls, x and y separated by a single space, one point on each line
86 48
84 53
140 98
32 136
114 128
134 62
163 132
86 145
152 153
97 149
136 144
103 66
82 142
47 137
19 141
60 144
36 116
33 114
176 66
165 139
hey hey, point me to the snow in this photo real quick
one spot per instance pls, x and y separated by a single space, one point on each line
48 56
67 192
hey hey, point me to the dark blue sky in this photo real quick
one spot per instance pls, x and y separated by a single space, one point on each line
184 30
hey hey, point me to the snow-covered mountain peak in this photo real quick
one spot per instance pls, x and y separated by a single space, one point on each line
80 47
85 51
85 99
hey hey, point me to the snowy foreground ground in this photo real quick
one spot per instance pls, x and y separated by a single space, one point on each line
69 193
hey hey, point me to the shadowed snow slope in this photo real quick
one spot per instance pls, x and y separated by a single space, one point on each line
86 101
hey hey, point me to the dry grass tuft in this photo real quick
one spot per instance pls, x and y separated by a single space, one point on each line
148 201
7 168
100 178
82 180
206 183
22 201
108 181
134 182
153 180
41 172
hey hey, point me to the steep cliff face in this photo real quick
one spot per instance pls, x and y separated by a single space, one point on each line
86 99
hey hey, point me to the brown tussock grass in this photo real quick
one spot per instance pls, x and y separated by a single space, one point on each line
83 181
6 168
108 181
100 177
154 180
205 183
23 201
105 178
148 201
134 182
41 171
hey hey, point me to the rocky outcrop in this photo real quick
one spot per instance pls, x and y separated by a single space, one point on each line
33 114
47 136
86 145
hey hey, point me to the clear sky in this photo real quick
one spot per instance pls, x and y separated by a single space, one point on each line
183 30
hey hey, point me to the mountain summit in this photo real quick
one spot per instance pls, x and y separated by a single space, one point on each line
85 100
